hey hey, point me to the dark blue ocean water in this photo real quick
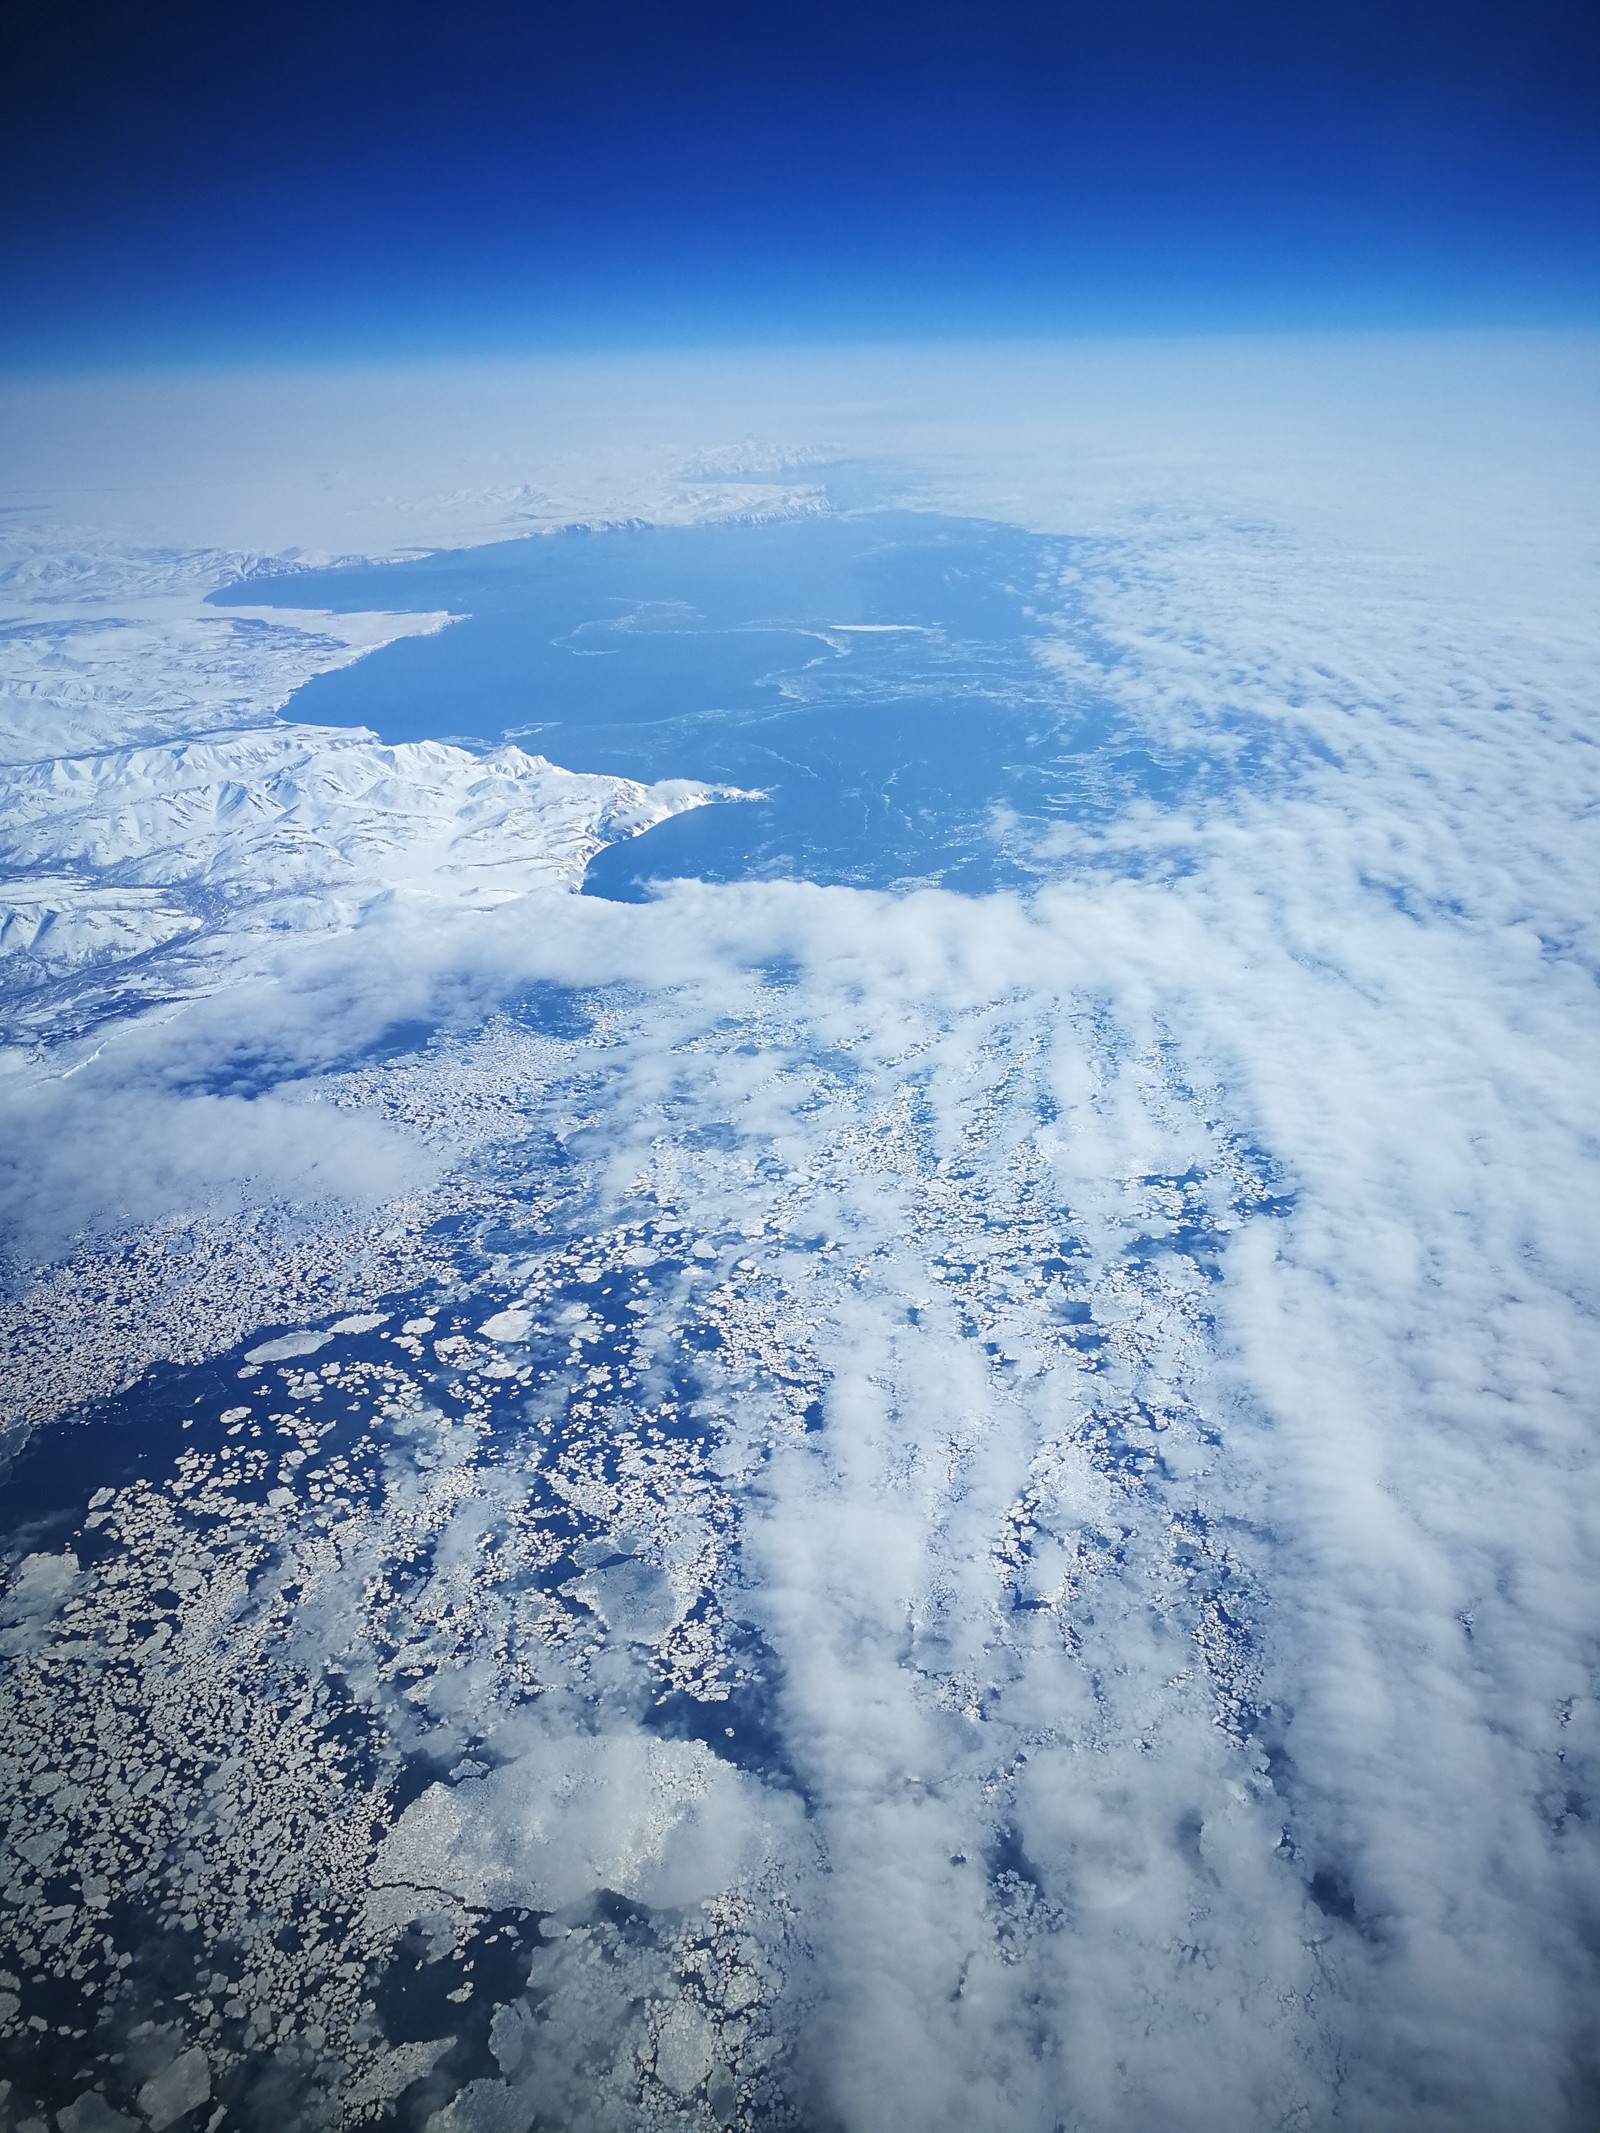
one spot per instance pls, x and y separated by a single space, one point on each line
876 676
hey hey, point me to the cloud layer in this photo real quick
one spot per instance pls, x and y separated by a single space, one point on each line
1142 1335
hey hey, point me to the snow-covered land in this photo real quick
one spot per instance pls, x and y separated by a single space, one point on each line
159 823
202 844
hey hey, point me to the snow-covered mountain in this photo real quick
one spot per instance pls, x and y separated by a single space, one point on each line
157 817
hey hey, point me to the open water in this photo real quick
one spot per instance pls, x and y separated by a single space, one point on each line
877 678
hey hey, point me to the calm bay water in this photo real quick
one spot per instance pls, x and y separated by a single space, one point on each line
875 677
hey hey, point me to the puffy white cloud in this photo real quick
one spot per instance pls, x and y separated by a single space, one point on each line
661 1821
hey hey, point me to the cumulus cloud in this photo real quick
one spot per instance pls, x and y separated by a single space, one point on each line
661 1821
1257 1751
1306 1868
83 1160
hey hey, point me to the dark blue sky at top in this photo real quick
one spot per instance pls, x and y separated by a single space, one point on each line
413 177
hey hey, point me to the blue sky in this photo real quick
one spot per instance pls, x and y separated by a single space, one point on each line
351 178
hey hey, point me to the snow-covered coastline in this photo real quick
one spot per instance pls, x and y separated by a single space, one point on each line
161 823
140 873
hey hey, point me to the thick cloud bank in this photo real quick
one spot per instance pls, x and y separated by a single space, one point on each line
1058 1424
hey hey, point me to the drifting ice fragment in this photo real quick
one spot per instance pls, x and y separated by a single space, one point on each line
511 1325
292 1344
